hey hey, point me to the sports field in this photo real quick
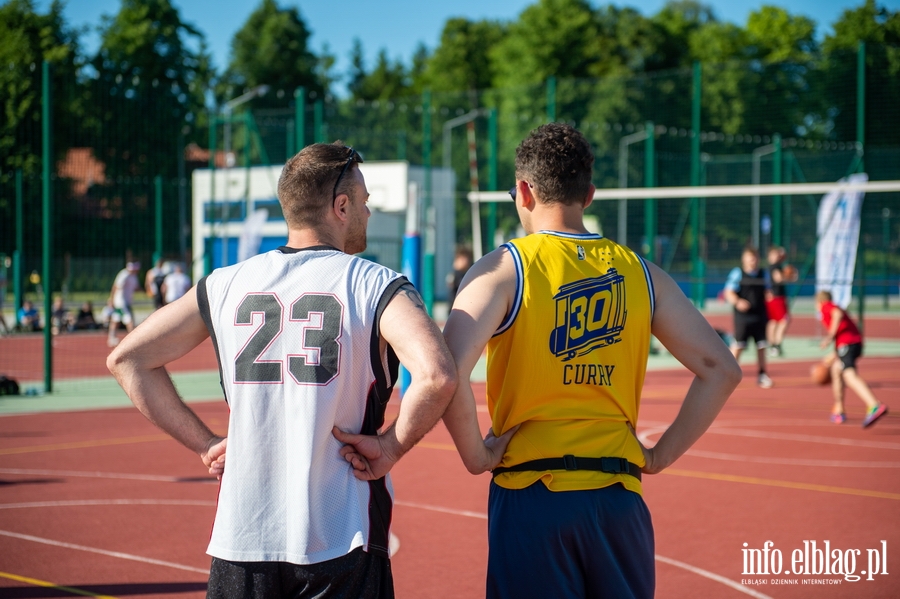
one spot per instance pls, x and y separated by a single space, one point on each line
94 501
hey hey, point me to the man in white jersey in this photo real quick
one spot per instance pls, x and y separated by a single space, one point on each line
175 284
308 339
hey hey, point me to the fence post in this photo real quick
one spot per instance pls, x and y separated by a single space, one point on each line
18 253
158 220
861 101
885 252
319 121
650 203
492 175
551 99
46 129
861 140
208 245
776 200
428 257
299 117
696 268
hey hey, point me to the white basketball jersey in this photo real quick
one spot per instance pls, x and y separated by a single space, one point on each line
296 336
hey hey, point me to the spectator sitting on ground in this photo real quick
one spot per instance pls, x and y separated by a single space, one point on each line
84 320
29 318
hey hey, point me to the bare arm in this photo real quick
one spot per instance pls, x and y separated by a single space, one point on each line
484 298
837 315
417 341
689 337
138 363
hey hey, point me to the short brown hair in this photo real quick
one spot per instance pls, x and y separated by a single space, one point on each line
823 296
557 160
306 185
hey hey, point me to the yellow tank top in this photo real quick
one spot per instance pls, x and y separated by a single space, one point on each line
568 361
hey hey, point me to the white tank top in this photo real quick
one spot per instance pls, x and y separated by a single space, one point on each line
296 336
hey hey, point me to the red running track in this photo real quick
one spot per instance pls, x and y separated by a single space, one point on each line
99 502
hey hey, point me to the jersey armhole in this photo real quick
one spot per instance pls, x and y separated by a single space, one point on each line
384 381
206 315
651 290
520 289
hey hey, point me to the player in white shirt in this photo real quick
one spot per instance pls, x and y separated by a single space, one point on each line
308 338
122 292
175 284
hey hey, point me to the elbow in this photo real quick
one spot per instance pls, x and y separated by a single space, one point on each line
732 373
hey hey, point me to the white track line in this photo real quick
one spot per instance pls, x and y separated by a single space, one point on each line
706 574
735 457
666 560
84 502
128 556
805 438
117 475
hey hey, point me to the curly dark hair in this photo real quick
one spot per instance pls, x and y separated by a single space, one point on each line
557 161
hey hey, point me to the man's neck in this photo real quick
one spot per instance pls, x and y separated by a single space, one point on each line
304 238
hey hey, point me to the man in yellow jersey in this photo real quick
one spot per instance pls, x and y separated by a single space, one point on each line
567 316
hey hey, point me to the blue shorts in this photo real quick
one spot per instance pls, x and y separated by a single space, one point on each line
569 544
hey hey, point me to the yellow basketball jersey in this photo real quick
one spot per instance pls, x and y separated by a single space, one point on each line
568 362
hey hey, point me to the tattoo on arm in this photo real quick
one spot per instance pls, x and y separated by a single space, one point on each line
410 292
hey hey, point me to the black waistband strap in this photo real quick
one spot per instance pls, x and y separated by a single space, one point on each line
570 462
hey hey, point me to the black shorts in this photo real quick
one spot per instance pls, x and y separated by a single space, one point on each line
849 354
357 575
586 544
747 328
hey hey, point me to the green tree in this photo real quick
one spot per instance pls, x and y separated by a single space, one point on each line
272 49
879 28
27 39
462 58
149 84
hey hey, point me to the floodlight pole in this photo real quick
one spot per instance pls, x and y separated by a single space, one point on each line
623 181
758 153
227 110
475 206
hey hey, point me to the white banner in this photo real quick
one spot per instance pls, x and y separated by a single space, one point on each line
838 236
251 235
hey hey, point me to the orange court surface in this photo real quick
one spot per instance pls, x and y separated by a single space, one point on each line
97 502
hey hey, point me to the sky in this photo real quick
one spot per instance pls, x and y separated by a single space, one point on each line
400 26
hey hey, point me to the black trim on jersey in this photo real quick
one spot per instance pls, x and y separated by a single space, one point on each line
313 248
206 315
380 504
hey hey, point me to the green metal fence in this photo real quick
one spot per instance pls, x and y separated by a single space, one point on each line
81 196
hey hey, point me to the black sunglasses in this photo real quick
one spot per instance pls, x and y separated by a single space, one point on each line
512 191
353 157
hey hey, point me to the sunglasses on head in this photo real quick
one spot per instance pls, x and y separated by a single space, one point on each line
353 156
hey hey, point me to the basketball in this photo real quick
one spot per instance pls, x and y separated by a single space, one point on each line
820 374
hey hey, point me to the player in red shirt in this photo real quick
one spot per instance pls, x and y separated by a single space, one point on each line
848 348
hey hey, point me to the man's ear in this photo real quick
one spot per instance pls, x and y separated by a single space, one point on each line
525 196
341 206
590 196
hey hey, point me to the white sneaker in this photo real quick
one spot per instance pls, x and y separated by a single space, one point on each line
764 381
